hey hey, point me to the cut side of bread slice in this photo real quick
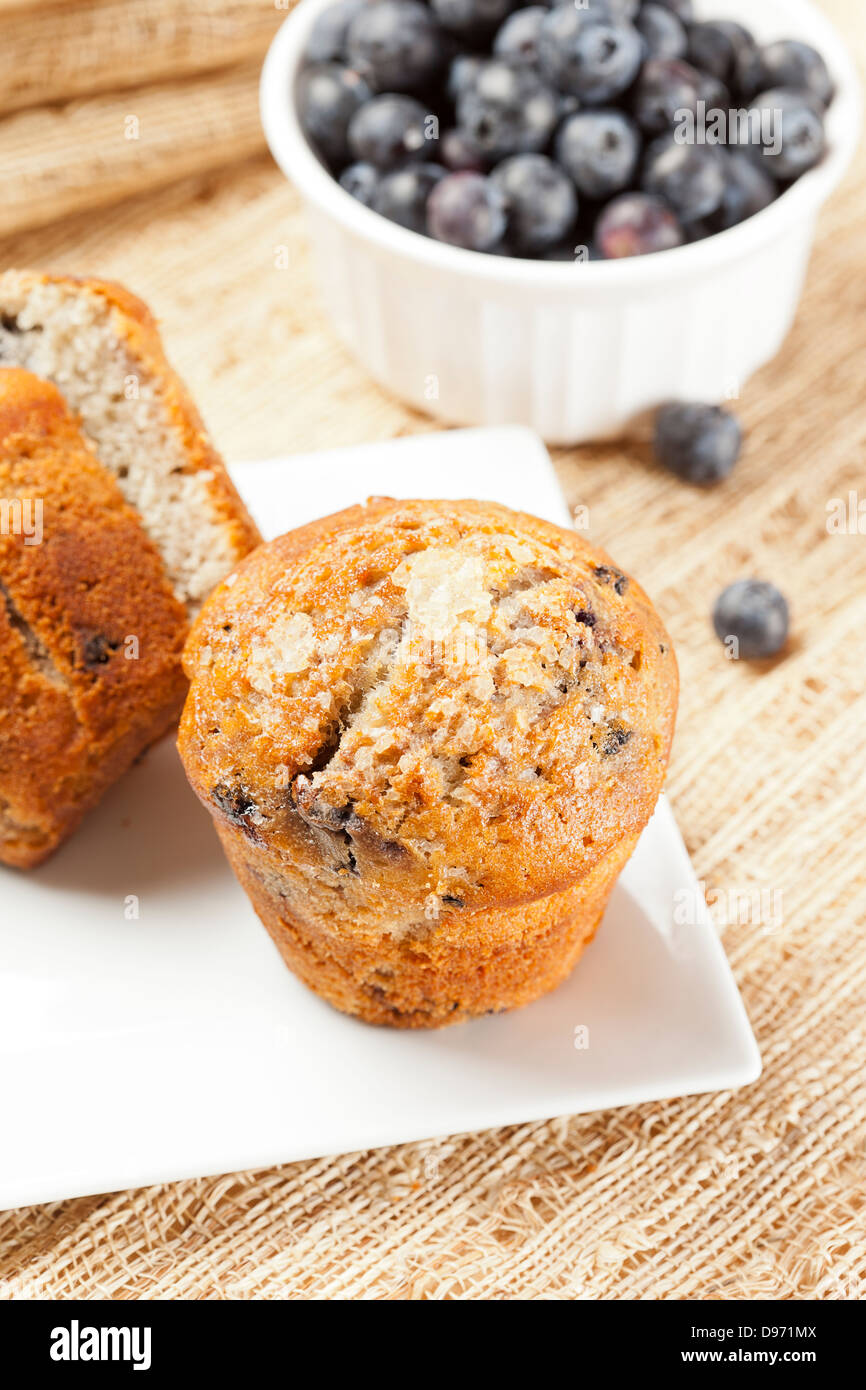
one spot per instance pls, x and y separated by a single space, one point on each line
91 630
100 346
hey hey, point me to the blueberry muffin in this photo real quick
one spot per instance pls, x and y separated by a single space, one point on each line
429 735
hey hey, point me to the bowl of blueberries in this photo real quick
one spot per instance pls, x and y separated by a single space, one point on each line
561 214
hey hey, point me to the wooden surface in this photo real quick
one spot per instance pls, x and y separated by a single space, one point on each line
750 1195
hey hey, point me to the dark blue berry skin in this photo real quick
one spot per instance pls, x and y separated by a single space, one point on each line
787 63
457 150
779 98
717 46
540 201
756 614
635 224
327 41
699 443
713 92
518 36
600 150
508 110
390 129
748 189
361 180
329 96
396 45
468 210
683 9
689 177
665 87
609 9
462 73
664 35
797 130
586 57
472 19
402 195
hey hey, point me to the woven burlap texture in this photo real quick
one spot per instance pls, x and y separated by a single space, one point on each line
754 1194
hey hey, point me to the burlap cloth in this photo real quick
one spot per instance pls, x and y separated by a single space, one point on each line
755 1194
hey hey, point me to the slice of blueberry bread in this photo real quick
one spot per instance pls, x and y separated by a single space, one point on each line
100 346
91 630
429 734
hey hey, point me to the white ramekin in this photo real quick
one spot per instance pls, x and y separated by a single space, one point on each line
576 351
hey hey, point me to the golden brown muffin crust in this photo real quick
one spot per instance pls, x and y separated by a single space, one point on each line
555 734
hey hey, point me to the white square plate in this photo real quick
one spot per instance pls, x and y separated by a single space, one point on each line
141 1049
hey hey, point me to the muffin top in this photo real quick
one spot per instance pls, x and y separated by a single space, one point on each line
446 698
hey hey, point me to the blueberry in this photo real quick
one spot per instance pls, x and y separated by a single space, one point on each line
616 738
462 73
747 190
467 209
665 88
540 200
792 133
756 614
328 97
599 150
360 180
609 9
788 63
778 98
718 46
518 36
390 129
606 574
472 18
396 45
713 92
402 195
327 41
664 35
622 9
699 443
98 650
689 177
457 150
238 806
635 224
683 9
590 58
508 110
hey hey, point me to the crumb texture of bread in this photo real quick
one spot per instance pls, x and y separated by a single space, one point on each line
100 346
91 632
430 734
